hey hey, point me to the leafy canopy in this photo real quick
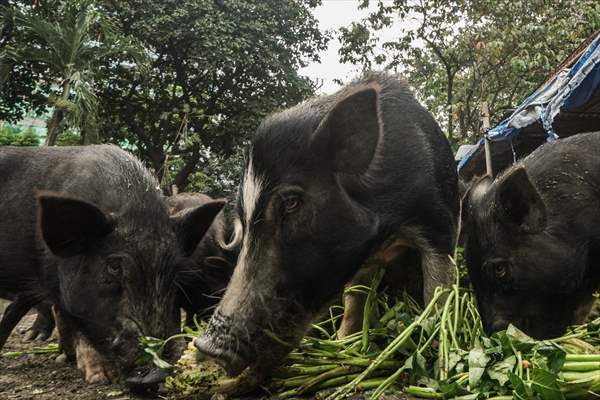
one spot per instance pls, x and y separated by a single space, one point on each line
217 68
460 53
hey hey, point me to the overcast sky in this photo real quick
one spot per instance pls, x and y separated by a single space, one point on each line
332 15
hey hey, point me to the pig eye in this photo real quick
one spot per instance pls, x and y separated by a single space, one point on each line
113 266
500 270
291 204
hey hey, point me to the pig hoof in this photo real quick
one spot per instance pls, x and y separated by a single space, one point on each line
31 335
42 337
96 378
35 335
61 359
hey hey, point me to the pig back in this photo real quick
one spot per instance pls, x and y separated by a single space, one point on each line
103 175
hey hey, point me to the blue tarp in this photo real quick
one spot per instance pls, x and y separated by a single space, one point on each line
569 89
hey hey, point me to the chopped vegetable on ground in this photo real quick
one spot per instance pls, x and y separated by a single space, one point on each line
438 352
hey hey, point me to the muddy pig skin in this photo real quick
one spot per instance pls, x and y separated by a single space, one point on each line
203 281
333 188
87 229
533 238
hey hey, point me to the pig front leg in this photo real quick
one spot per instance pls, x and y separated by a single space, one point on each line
12 315
90 362
438 270
66 339
354 303
43 326
75 346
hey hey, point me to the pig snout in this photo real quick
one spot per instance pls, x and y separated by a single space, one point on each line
221 342
146 378
125 345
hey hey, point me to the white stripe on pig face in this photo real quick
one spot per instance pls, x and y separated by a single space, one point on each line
252 187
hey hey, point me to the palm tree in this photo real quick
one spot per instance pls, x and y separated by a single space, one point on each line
72 47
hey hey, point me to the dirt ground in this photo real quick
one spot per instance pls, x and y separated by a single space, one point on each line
40 377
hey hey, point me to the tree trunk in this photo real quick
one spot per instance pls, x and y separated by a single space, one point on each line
183 176
157 160
52 126
89 136
57 115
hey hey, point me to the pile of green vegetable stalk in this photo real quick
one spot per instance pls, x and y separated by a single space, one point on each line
437 352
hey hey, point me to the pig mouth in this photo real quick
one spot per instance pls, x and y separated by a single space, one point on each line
232 361
144 379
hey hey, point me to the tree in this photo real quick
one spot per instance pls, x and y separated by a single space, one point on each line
65 48
460 53
10 136
217 68
22 92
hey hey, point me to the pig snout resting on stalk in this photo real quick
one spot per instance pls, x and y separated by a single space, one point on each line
202 281
533 238
365 174
88 229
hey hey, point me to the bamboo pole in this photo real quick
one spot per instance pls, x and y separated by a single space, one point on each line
485 126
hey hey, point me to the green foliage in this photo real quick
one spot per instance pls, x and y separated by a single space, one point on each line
213 70
217 69
15 137
436 352
460 53
153 349
69 138
218 177
63 45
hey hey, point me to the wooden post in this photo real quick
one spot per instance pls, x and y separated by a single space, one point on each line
485 126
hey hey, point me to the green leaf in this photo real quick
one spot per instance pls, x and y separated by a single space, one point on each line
500 371
545 384
477 363
519 339
548 355
520 390
456 356
156 360
454 390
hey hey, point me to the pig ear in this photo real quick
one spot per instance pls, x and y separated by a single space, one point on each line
476 189
350 132
519 202
473 193
69 226
191 226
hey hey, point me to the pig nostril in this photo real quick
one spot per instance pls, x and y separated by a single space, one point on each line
233 363
205 346
117 342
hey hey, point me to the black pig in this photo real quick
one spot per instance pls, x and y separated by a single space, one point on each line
87 229
204 279
329 184
533 238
